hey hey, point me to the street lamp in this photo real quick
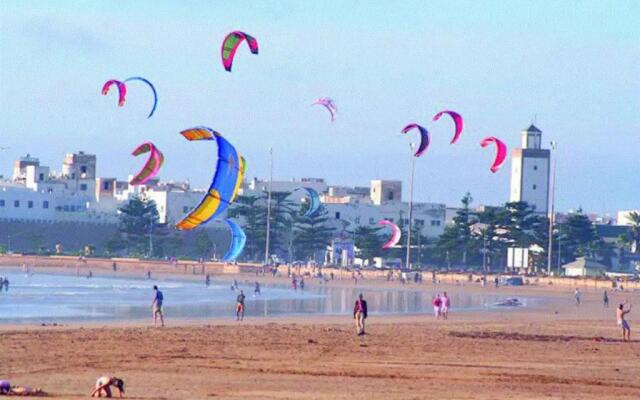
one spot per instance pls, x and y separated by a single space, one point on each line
412 163
553 144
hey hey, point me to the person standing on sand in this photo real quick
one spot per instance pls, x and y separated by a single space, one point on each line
157 307
207 280
294 283
626 330
444 305
436 305
576 294
114 266
256 291
240 306
605 299
360 314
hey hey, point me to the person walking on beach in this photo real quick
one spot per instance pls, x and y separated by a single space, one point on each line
576 294
256 291
444 305
437 302
626 330
605 299
114 266
157 307
240 306
6 284
207 280
360 314
294 283
302 283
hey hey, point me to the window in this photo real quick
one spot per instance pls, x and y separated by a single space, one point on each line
535 187
16 203
73 176
45 204
105 186
1 203
83 169
29 204
419 222
435 222
390 196
41 177
65 208
83 187
357 220
337 215
535 167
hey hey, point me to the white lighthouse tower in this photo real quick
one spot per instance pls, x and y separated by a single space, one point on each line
530 171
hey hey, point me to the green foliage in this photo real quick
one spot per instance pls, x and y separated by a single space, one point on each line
138 220
368 242
631 239
311 234
457 241
204 244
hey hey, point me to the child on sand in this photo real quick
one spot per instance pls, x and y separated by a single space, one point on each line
103 386
240 306
626 330
436 306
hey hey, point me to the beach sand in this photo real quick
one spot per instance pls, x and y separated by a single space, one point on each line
556 351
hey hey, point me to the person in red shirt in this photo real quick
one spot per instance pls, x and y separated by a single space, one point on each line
437 303
360 314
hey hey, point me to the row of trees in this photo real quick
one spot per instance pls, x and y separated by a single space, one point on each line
474 238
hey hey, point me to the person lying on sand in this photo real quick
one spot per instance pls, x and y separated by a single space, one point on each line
8 390
103 386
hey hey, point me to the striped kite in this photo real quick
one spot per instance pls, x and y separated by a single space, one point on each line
424 137
457 120
151 167
122 90
226 182
230 45
329 105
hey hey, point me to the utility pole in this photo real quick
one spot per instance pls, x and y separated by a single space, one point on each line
553 144
150 235
408 261
266 249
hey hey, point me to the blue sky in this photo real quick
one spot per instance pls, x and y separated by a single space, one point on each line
574 67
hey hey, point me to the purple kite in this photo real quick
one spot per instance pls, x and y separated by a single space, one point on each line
501 151
329 105
230 45
457 119
151 167
424 137
122 90
395 236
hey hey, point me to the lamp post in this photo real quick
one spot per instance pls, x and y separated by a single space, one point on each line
553 144
266 247
412 163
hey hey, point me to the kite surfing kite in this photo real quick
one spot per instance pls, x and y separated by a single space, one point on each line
238 240
151 167
424 137
395 236
314 202
230 45
230 170
457 120
329 105
153 89
122 90
501 151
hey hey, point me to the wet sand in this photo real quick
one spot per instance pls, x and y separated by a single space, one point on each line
555 351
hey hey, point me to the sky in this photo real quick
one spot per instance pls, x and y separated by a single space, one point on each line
573 68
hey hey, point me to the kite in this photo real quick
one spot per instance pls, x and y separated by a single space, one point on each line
329 105
226 181
314 202
122 90
153 89
457 119
424 137
395 236
238 240
151 167
501 151
230 45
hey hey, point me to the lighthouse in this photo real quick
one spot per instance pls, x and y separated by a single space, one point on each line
530 165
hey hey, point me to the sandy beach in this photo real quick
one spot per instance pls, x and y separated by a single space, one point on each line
556 350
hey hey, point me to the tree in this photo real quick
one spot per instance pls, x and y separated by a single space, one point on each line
281 226
311 234
204 244
580 238
368 242
138 218
457 240
632 237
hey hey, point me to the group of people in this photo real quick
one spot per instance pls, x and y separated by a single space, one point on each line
4 283
441 304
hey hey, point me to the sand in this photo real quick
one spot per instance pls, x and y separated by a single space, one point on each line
556 351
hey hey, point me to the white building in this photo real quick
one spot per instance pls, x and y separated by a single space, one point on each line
530 166
624 217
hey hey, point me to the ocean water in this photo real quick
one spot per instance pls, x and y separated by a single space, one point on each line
49 298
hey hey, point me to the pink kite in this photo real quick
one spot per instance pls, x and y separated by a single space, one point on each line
230 45
424 137
457 119
151 167
122 90
329 105
395 236
501 151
